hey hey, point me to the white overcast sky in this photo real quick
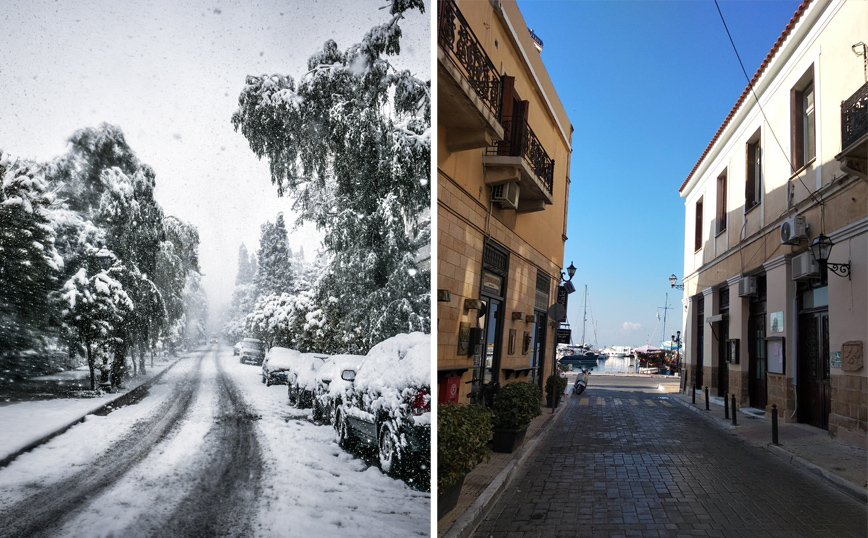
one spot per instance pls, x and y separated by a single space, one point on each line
169 74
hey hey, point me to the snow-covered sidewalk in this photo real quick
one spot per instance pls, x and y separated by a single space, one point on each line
29 424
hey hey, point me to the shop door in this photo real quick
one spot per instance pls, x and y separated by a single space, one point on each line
722 364
757 386
538 347
814 392
700 343
490 368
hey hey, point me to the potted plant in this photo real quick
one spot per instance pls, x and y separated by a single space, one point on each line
514 406
462 434
555 386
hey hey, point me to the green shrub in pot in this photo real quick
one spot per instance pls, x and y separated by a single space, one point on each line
555 385
515 405
462 432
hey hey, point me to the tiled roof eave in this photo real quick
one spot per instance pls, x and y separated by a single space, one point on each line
744 95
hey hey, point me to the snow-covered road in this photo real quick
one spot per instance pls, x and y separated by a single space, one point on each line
211 451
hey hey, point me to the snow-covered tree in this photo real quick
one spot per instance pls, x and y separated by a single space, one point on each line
95 307
351 142
29 262
245 267
274 274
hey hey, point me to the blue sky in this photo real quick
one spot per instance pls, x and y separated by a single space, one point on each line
646 85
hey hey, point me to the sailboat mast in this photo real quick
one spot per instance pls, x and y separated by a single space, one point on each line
584 316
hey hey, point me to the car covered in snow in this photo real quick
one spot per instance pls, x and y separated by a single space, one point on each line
301 378
329 385
278 361
388 403
251 351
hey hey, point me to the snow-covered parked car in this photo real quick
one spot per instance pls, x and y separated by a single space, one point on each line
278 361
252 351
330 386
388 403
301 378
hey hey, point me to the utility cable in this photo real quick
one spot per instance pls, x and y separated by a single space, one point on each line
750 87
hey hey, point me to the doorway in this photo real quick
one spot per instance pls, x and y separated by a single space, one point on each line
756 341
813 387
700 339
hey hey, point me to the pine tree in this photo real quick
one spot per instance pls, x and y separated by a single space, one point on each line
351 143
29 262
274 273
245 268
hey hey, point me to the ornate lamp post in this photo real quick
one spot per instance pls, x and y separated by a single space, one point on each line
672 282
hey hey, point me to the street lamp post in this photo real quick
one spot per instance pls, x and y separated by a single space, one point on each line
672 282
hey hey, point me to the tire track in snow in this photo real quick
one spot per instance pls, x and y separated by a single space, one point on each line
223 502
46 510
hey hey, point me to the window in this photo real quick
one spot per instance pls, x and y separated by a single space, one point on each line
753 186
697 234
802 120
721 202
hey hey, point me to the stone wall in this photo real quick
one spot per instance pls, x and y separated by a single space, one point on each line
782 394
848 420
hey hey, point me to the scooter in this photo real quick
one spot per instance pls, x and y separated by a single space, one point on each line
581 381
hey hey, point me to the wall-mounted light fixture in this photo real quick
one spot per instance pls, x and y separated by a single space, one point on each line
821 248
672 282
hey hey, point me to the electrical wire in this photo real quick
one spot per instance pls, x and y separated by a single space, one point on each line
750 87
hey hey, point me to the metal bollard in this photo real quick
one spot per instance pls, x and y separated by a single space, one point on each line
726 406
774 424
706 398
734 413
693 394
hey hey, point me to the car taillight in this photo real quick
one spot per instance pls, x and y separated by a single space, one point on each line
420 403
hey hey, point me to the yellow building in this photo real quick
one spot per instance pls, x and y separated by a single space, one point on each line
503 140
766 320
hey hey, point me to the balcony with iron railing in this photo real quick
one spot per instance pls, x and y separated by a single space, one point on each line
470 90
521 158
854 133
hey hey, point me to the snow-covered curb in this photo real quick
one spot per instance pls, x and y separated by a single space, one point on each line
26 425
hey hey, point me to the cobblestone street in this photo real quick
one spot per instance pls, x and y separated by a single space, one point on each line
627 461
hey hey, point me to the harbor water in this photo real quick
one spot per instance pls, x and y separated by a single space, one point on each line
613 365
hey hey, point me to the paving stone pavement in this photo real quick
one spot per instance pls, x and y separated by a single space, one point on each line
635 464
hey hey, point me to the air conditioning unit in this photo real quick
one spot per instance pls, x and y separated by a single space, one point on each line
805 266
793 230
506 194
747 286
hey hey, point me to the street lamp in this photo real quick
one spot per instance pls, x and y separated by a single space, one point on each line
571 272
820 250
672 282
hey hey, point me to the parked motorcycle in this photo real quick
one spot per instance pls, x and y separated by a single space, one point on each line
581 381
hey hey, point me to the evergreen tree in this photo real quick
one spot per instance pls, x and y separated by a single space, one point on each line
274 273
245 268
29 262
351 142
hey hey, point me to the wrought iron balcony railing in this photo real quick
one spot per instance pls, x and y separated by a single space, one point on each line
456 38
521 141
854 117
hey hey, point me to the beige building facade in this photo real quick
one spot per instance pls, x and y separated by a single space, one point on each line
504 144
765 319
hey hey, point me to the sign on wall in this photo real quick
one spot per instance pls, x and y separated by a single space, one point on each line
776 322
776 356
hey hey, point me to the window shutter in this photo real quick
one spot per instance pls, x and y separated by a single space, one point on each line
798 134
750 183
